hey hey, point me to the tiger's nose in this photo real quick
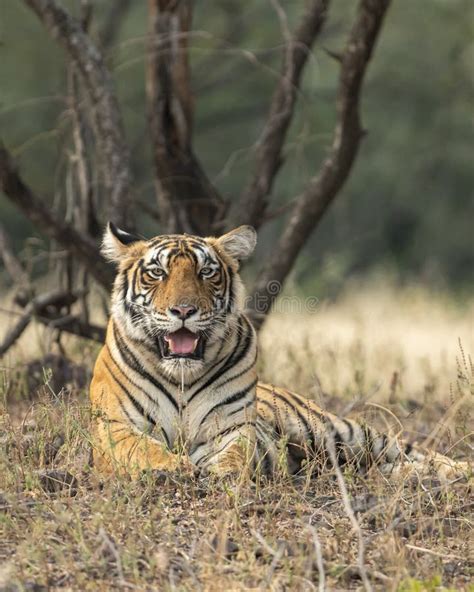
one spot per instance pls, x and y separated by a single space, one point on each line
182 312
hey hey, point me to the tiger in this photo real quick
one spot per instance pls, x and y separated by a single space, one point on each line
175 385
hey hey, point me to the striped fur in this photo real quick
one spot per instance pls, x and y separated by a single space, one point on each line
156 410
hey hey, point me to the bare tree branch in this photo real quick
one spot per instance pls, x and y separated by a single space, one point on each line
36 305
40 215
322 189
84 213
107 117
46 308
74 325
12 265
15 332
250 208
187 200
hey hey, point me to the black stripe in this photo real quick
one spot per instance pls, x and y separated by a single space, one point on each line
235 357
213 453
219 361
154 352
348 424
192 255
309 430
239 338
124 438
277 428
247 404
132 361
305 403
114 421
231 399
383 446
138 406
125 282
134 280
266 458
369 443
338 447
165 436
144 392
239 374
125 412
222 433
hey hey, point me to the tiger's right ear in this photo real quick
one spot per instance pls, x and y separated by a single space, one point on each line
116 243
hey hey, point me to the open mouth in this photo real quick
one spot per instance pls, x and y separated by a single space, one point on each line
182 344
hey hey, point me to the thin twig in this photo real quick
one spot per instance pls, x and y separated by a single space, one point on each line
350 513
109 545
319 559
37 305
435 553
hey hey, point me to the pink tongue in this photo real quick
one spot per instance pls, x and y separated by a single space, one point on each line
182 342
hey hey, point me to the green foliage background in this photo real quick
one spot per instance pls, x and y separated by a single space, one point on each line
408 205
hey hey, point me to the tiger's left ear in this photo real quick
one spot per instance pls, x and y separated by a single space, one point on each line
239 243
116 242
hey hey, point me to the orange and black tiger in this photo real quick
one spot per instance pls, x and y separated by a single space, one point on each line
176 381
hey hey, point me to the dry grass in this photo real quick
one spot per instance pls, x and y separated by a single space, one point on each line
176 533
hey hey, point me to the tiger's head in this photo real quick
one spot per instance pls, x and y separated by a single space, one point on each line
181 292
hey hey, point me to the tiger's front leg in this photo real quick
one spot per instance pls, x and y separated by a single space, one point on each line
119 449
232 456
121 442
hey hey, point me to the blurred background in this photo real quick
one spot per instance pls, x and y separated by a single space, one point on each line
407 209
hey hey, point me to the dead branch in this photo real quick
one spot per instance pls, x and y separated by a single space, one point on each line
187 200
107 117
37 305
331 447
74 325
81 189
48 309
250 208
15 332
322 189
36 210
12 264
84 210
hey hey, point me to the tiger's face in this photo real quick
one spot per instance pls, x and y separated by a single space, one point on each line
181 292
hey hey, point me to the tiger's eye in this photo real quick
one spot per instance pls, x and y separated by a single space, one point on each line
156 273
207 272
